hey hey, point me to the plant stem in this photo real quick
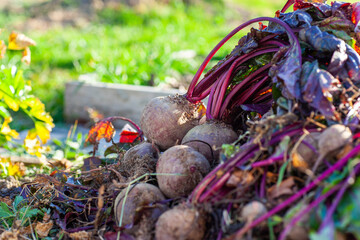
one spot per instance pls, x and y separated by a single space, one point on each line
288 30
339 164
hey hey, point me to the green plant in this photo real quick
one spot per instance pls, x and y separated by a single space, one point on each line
19 210
16 97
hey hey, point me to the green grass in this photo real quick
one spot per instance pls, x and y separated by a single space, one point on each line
125 45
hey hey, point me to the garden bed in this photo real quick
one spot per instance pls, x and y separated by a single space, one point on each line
109 99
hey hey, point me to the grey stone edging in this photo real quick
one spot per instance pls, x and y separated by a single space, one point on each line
109 99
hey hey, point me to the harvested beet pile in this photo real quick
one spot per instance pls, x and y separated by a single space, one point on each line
273 156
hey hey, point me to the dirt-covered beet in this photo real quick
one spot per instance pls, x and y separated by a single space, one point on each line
166 120
333 138
181 222
210 134
306 152
139 160
141 210
179 169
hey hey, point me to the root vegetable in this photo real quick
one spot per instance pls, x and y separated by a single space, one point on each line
166 120
334 137
300 230
331 139
180 169
304 156
209 137
139 160
142 208
181 222
253 210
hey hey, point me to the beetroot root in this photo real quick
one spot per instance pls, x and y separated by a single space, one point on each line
139 160
209 137
141 210
179 169
181 222
166 120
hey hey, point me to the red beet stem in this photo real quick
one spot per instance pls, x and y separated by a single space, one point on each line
291 35
238 87
309 208
329 213
268 161
245 97
225 83
335 202
239 160
211 77
339 164
287 5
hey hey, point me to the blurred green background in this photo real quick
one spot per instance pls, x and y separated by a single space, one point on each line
145 42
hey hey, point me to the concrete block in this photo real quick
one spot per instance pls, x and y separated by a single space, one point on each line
109 99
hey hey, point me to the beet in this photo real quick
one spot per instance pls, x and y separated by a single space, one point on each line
299 231
181 222
211 133
166 120
139 160
253 210
333 138
305 154
187 166
141 210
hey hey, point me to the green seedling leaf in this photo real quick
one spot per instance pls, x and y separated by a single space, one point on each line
5 210
26 212
57 142
17 201
282 173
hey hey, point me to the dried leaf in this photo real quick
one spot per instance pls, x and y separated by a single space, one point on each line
286 188
102 129
82 235
239 177
28 229
43 229
46 217
298 161
10 235
62 163
94 115
18 41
